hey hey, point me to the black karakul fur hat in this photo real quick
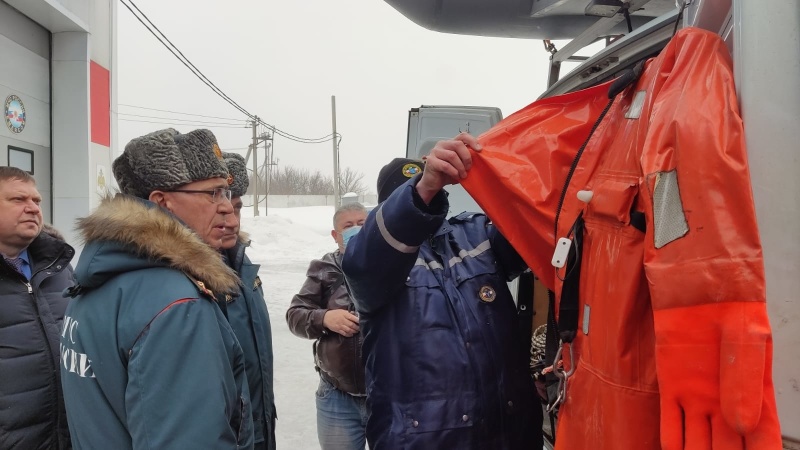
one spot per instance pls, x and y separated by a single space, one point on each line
166 159
237 168
394 174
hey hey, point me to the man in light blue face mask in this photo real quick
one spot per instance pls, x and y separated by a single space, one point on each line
323 310
349 233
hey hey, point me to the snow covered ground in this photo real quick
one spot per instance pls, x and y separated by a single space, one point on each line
284 242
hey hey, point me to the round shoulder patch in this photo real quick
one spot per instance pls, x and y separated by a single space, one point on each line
411 169
487 294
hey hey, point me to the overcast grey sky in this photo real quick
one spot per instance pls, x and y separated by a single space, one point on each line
282 60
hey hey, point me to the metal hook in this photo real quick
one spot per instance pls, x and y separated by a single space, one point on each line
562 375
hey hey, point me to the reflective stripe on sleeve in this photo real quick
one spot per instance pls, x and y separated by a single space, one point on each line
397 245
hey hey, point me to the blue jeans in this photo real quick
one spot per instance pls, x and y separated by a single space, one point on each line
341 419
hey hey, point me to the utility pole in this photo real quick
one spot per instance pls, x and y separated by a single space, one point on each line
337 202
269 139
255 166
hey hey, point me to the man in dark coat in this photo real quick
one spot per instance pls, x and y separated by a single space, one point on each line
33 273
248 316
447 367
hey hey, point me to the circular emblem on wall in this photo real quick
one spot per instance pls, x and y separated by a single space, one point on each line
14 113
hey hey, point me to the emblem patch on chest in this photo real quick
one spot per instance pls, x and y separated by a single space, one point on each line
487 294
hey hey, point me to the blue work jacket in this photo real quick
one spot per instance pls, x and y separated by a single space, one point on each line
446 366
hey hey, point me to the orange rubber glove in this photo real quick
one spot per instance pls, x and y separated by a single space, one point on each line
713 339
712 360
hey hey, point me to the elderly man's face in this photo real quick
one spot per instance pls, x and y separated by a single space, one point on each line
20 215
211 220
232 233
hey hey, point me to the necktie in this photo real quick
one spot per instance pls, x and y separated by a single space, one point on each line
16 263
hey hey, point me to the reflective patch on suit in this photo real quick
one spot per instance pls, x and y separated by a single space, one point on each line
431 265
487 294
587 310
668 216
474 253
635 111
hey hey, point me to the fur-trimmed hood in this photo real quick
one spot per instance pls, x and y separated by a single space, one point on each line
148 236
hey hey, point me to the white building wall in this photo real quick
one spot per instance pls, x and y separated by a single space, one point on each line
25 73
82 32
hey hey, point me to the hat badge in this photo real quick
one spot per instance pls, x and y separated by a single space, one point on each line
411 169
217 151
487 294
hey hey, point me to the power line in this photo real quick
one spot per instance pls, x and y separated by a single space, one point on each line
279 132
176 112
183 59
158 34
182 124
241 123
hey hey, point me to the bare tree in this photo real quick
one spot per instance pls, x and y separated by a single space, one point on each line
289 180
351 181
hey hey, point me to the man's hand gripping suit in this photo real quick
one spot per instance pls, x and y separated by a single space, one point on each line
673 349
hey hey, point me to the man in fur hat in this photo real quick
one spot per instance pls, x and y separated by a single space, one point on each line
248 316
148 359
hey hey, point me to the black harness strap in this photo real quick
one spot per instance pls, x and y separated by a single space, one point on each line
525 307
565 329
568 307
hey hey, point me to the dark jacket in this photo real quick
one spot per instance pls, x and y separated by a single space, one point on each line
149 361
31 313
248 316
337 358
446 366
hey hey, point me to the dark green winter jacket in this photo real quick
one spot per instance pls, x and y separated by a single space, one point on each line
248 316
148 360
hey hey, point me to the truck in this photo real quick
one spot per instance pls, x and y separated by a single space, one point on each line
764 41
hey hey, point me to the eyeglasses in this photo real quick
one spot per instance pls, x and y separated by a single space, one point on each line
217 194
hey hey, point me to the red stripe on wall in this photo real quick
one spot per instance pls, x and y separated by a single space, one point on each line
100 95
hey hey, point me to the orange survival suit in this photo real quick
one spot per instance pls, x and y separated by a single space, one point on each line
673 349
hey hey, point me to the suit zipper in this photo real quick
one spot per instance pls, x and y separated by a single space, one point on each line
53 368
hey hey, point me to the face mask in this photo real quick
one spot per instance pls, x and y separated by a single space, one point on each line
349 233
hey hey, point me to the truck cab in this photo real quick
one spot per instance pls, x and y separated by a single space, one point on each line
764 40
